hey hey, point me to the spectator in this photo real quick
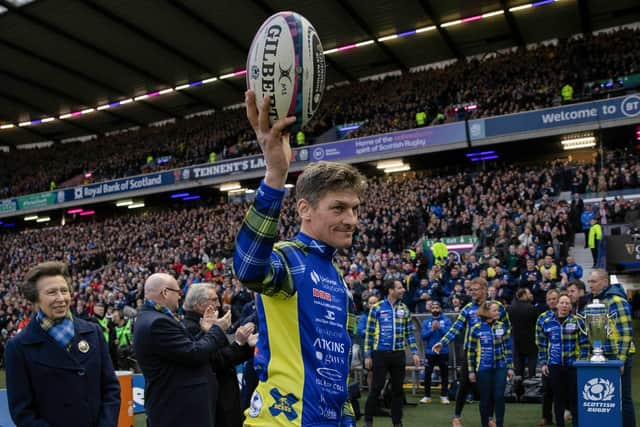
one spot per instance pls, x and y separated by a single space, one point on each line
433 329
56 346
171 358
199 297
523 318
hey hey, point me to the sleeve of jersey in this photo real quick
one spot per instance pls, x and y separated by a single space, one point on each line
472 351
508 355
411 338
255 263
370 331
624 326
505 317
456 328
541 342
583 343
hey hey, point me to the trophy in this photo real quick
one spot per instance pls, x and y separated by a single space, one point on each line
597 324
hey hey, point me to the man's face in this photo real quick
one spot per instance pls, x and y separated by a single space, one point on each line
552 300
212 300
171 294
54 296
373 300
333 220
99 310
435 310
398 290
596 283
574 293
478 293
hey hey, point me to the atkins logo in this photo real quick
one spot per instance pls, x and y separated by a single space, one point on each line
598 390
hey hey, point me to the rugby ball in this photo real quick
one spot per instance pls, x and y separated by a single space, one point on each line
286 62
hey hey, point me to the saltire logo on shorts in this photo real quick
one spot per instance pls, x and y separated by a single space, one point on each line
283 404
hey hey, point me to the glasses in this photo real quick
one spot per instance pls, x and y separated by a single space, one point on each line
177 291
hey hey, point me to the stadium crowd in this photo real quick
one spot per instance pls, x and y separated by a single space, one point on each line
510 211
523 79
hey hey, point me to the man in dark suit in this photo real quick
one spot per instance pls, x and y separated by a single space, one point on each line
523 317
180 387
59 372
224 360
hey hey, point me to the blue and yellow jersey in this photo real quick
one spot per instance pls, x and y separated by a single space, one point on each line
539 331
560 342
467 318
619 345
388 328
303 351
489 346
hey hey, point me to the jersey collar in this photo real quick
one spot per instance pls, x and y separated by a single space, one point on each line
316 246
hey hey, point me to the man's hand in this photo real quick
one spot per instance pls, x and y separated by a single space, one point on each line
545 370
435 325
209 318
472 377
416 360
224 322
510 373
274 141
436 348
368 363
242 333
253 340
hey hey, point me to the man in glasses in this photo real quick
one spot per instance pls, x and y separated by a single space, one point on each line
180 387
199 298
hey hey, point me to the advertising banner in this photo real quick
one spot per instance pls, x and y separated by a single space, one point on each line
568 115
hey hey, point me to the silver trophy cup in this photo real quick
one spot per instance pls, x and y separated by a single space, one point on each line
597 323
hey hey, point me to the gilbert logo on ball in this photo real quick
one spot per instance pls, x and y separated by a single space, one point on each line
286 62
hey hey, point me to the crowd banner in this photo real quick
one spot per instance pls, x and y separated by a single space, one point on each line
394 142
623 107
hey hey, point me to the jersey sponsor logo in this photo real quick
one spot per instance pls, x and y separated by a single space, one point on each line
317 293
330 315
283 404
328 413
400 312
329 345
499 332
329 373
256 404
326 282
570 327
330 333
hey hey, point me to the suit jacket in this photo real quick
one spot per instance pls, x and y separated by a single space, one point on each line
523 316
50 386
180 387
223 363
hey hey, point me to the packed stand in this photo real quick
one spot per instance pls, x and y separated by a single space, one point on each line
498 84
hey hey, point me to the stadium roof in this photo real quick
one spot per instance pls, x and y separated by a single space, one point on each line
61 59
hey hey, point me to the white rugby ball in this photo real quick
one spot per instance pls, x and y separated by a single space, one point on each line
286 62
